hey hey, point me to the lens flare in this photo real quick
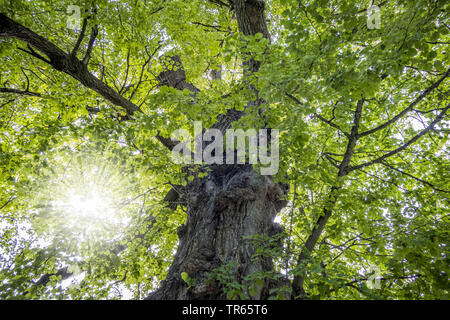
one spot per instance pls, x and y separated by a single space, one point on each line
91 205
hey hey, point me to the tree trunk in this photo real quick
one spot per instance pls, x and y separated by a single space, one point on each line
230 204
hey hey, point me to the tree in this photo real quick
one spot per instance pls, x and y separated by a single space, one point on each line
91 195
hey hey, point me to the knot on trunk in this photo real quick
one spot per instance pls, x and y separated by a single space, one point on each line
240 188
276 191
228 197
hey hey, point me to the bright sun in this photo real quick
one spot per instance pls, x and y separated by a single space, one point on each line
87 211
90 205
88 197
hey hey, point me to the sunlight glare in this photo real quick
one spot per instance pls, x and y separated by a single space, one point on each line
91 205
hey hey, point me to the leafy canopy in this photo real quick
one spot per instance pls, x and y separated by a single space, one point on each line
61 142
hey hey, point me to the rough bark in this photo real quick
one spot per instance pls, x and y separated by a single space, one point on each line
232 203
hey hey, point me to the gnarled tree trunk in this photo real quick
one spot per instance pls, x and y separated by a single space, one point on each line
230 204
233 202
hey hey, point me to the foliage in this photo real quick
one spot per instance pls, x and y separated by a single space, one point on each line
58 138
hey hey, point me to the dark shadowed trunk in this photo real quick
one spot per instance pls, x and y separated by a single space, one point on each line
230 204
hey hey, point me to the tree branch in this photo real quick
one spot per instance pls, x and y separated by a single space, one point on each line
7 102
80 37
220 3
64 62
331 160
34 54
87 56
45 279
11 199
354 135
217 28
351 283
409 108
20 92
126 72
415 178
318 116
407 144
297 284
150 56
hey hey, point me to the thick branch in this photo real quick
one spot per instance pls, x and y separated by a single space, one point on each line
166 142
297 284
250 17
67 63
175 77
251 20
64 62
354 135
45 279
